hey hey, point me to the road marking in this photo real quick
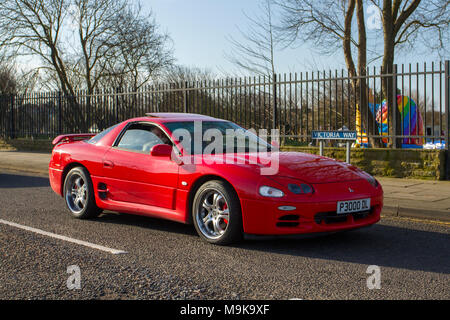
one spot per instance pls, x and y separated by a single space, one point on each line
64 238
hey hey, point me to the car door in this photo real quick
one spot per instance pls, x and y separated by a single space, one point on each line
134 175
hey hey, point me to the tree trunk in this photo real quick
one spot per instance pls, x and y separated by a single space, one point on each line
368 121
390 94
387 82
359 86
347 39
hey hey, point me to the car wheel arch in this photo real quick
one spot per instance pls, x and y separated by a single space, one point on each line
196 185
67 169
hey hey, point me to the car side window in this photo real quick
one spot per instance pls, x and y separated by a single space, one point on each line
99 136
142 138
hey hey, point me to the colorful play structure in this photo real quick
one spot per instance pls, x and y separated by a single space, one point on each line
411 120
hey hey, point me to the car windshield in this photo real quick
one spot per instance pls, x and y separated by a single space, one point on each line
216 137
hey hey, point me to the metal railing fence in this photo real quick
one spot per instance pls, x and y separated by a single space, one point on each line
294 103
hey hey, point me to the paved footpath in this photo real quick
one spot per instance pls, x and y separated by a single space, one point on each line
403 197
32 162
416 198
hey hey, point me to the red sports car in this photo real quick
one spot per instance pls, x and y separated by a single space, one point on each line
158 166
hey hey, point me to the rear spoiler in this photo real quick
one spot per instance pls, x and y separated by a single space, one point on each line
69 138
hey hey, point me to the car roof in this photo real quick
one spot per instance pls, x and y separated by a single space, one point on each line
161 117
179 116
158 118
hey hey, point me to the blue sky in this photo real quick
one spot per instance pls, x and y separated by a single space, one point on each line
199 29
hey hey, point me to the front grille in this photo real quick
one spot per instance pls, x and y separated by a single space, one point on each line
288 217
289 220
285 224
333 217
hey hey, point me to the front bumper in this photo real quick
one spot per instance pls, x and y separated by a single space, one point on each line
316 214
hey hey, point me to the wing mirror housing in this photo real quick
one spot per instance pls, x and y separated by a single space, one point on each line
161 150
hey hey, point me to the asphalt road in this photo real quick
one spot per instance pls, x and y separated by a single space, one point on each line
166 260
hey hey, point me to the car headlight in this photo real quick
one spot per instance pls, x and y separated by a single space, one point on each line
267 191
303 188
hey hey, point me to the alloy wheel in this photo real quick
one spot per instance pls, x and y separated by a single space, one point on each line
213 214
77 194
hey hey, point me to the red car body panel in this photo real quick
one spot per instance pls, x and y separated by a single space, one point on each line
139 183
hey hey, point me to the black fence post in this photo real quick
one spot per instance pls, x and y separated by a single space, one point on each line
12 133
117 104
59 113
185 97
275 108
88 110
395 112
447 112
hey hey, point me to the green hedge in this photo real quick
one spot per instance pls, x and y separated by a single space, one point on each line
36 145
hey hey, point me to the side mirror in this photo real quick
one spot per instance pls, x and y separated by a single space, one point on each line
161 150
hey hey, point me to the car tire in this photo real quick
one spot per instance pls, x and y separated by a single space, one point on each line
216 213
79 194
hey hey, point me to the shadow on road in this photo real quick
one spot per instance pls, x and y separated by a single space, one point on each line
22 181
146 222
381 245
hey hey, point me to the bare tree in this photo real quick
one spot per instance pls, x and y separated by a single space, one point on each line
138 50
34 27
182 74
13 80
111 38
191 79
8 81
93 19
403 22
256 52
324 23
328 24
118 45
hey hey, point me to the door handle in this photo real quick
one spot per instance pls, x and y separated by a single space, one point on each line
108 164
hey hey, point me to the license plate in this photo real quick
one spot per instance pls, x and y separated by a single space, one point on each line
353 206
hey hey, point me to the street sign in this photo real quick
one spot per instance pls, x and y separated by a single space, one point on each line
334 135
